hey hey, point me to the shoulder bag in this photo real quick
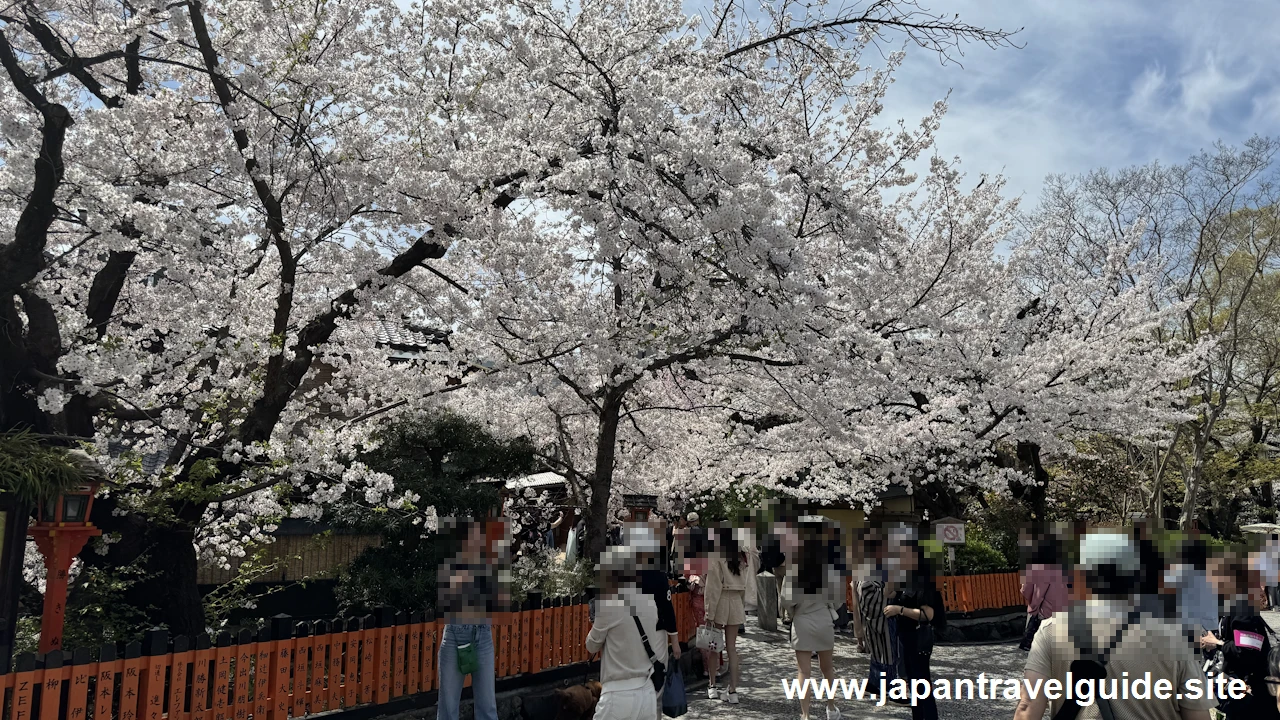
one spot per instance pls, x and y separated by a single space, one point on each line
468 658
659 674
709 638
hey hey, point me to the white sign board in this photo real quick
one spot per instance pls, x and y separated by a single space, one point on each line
950 533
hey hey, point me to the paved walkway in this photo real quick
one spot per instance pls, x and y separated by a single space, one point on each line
767 659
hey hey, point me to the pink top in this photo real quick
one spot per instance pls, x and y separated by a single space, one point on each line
1045 589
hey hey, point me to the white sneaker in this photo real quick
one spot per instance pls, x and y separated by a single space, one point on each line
713 694
833 713
732 697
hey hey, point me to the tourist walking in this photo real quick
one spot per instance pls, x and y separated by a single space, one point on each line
811 593
470 592
695 565
873 626
1241 646
746 536
725 605
625 632
1044 587
1195 599
652 578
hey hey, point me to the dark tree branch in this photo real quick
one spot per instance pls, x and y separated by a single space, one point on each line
22 259
929 31
105 291
74 65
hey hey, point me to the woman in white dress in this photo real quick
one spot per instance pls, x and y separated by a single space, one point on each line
811 594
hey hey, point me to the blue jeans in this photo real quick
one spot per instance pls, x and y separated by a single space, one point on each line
482 680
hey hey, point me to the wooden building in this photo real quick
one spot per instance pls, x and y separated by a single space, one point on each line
302 550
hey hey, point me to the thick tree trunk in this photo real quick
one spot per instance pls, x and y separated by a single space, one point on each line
1036 494
1265 497
14 543
1263 493
602 480
171 564
166 555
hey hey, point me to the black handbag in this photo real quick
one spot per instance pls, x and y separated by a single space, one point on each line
925 638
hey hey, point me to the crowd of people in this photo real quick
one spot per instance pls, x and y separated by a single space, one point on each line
1103 605
899 608
1120 606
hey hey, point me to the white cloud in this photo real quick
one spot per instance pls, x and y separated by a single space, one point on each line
1099 83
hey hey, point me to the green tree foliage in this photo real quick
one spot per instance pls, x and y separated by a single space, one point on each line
732 505
98 610
33 471
437 457
548 570
1102 482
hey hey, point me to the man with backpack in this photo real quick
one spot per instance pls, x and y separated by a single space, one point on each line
1107 637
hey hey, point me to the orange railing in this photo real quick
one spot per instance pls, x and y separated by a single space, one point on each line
287 671
967 593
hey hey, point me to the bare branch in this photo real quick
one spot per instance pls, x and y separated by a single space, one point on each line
928 30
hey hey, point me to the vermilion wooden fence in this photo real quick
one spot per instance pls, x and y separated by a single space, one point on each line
967 593
288 670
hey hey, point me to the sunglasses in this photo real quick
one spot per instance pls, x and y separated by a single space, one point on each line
1273 685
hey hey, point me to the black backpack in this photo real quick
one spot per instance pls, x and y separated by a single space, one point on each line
1091 664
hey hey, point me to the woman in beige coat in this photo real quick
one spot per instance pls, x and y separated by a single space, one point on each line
726 586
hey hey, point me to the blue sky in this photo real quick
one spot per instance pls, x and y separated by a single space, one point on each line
1098 83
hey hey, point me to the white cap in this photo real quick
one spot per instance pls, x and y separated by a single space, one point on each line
1110 548
642 539
618 557
692 517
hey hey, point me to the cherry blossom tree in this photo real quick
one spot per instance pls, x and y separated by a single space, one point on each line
210 204
216 204
1207 234
743 280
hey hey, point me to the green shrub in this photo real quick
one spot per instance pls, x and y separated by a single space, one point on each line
977 556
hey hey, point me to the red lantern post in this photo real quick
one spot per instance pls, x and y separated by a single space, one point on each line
61 532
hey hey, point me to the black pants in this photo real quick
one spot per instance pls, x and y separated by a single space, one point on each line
917 667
